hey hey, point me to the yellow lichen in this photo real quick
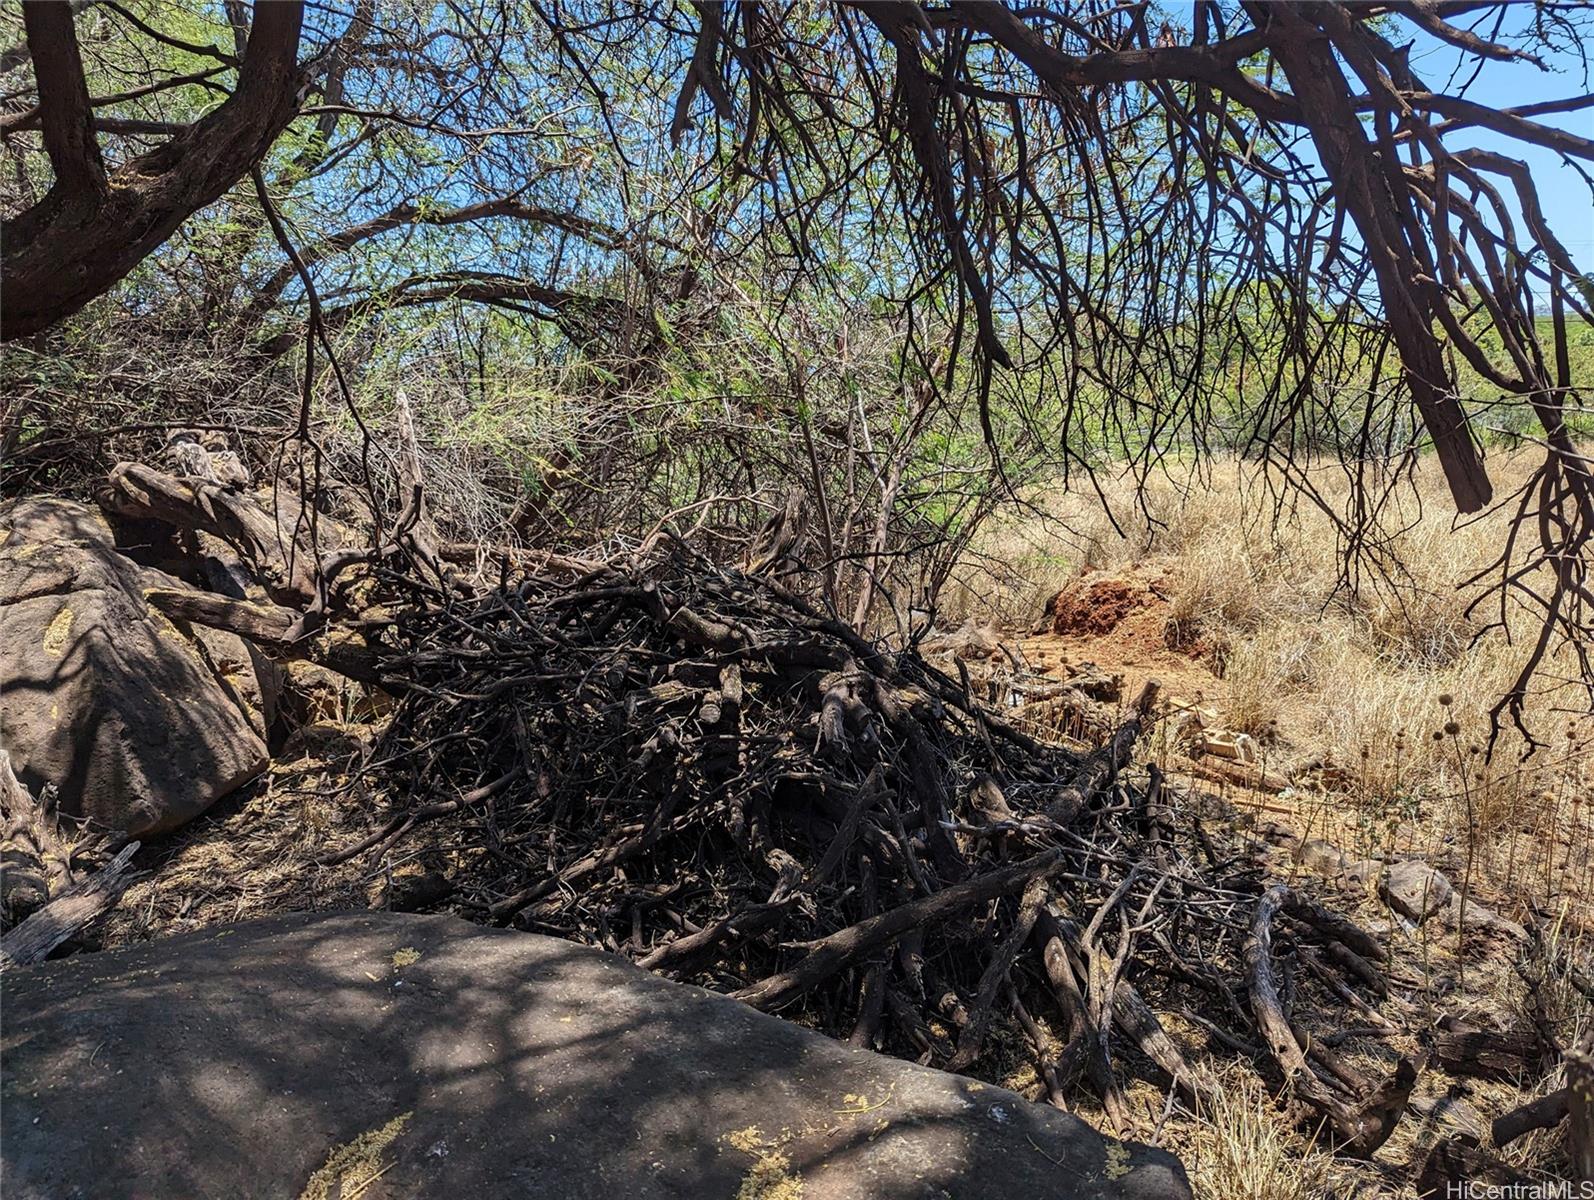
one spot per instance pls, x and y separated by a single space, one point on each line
1117 1159
748 1141
60 629
405 957
355 1163
770 1177
171 633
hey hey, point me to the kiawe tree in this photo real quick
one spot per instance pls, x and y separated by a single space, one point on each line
96 223
1294 144
1088 191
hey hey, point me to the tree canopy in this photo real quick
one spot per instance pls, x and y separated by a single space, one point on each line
1128 228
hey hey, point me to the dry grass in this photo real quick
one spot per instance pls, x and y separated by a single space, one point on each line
1242 1150
1391 684
1349 673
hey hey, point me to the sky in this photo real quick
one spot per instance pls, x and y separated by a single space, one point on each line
1565 195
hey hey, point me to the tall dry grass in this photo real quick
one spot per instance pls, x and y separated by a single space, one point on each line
1347 669
1240 1150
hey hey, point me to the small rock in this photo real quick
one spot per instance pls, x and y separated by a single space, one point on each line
1274 831
1363 871
413 893
1415 890
1321 857
1453 1113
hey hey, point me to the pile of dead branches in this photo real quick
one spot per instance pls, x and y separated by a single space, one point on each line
696 768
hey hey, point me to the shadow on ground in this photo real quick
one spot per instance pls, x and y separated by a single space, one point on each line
389 1056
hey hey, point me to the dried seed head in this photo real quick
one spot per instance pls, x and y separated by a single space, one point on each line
1452 728
1446 699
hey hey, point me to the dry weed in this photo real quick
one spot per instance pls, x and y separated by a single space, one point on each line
1348 671
1243 1149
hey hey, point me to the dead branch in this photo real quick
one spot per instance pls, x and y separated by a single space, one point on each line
32 941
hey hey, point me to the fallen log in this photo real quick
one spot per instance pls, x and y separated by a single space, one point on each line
972 1037
281 557
32 941
1544 1113
1085 1042
1357 1131
1332 924
755 918
844 947
1504 1055
270 627
1103 766
1453 1168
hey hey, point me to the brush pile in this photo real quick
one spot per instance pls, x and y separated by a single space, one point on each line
698 768
694 767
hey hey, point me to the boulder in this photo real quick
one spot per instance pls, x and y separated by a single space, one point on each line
139 725
389 1056
1481 916
1415 890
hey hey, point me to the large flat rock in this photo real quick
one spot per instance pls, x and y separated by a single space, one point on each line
387 1056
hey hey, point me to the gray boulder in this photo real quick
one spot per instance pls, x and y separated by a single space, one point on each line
139 725
1415 890
1481 916
400 1056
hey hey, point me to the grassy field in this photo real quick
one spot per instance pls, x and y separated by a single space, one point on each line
1354 672
1390 682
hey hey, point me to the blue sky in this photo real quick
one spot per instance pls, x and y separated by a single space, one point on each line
1563 192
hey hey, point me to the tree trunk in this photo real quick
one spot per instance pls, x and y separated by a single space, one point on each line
1307 56
92 228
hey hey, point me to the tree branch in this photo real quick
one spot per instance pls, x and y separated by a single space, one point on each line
80 239
64 107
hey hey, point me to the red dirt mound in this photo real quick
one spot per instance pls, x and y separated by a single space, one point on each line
1119 620
1095 604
